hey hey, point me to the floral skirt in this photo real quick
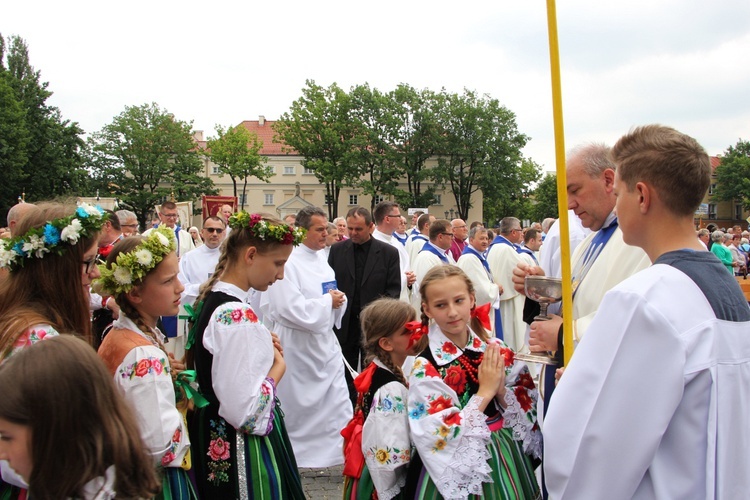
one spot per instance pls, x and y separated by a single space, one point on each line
230 465
512 473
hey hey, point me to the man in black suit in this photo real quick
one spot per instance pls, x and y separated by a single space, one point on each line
366 269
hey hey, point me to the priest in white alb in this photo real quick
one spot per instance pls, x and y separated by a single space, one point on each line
302 310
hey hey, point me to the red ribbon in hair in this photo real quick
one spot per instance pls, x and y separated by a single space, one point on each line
417 330
482 313
354 460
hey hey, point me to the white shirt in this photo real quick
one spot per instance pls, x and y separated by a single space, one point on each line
195 269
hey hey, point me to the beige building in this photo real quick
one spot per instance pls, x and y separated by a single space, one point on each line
292 186
718 214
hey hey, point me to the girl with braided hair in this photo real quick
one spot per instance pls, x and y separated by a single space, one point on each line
141 274
240 443
472 408
387 326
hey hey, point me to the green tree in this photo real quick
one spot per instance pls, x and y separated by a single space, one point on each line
52 146
374 150
414 135
480 149
512 196
545 199
318 126
236 152
144 156
733 175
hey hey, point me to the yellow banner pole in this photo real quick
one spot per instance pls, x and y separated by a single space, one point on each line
562 194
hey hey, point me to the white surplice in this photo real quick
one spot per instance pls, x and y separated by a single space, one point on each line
403 259
549 254
654 403
502 260
313 391
195 269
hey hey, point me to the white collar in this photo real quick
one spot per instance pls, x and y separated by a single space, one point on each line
233 290
125 323
444 350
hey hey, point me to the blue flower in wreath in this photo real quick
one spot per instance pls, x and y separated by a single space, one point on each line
18 248
51 234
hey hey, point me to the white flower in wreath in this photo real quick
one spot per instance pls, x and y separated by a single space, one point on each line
144 257
72 232
162 239
35 244
123 276
7 257
90 209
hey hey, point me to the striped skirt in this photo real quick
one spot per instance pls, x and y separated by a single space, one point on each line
512 473
176 485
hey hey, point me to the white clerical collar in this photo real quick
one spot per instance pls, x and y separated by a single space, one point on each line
384 236
610 218
475 249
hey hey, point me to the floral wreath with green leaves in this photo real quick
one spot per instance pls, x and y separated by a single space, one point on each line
53 237
282 233
131 267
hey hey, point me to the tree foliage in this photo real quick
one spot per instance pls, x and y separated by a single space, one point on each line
144 156
545 199
480 147
733 175
236 152
319 127
41 153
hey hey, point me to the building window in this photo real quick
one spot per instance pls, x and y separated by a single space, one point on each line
268 199
243 199
289 170
712 211
379 198
215 170
308 171
353 199
711 188
738 211
438 199
328 200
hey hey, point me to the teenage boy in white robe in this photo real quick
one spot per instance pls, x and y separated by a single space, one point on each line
302 310
654 402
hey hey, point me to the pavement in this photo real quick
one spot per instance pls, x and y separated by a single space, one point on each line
323 484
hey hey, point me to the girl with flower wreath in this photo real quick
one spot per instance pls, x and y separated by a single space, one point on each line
65 428
48 270
141 274
240 445
472 408
378 470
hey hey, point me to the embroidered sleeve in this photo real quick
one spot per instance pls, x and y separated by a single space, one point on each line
31 336
520 413
451 441
243 355
385 440
144 377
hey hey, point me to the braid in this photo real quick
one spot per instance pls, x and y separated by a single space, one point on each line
425 340
132 313
385 358
206 287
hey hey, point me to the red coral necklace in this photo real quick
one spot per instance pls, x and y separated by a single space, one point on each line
471 367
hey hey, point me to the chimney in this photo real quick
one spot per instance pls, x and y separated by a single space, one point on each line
198 135
261 120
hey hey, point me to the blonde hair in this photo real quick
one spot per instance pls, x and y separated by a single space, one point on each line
435 275
381 319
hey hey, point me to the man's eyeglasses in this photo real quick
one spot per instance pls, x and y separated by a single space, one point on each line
448 234
216 230
88 265
516 229
169 216
393 215
128 225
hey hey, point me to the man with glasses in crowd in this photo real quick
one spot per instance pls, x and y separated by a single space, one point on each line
168 217
128 222
460 235
197 266
387 217
503 257
434 253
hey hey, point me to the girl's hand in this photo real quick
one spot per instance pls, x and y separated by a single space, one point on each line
277 343
279 366
176 365
491 373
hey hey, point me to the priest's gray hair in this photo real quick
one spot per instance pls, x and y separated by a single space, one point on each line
596 157
305 215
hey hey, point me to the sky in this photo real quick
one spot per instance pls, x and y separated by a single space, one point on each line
682 63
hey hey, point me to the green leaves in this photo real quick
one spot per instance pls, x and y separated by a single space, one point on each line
733 175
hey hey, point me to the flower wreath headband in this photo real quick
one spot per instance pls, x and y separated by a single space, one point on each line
282 233
53 237
131 267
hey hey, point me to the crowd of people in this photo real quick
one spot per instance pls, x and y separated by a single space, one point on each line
386 349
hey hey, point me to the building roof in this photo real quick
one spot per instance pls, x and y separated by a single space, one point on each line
266 133
715 162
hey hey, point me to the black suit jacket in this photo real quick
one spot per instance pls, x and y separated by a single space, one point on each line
381 277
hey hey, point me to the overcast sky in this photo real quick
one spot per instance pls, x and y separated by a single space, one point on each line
682 63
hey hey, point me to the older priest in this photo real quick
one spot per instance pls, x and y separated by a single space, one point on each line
302 309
